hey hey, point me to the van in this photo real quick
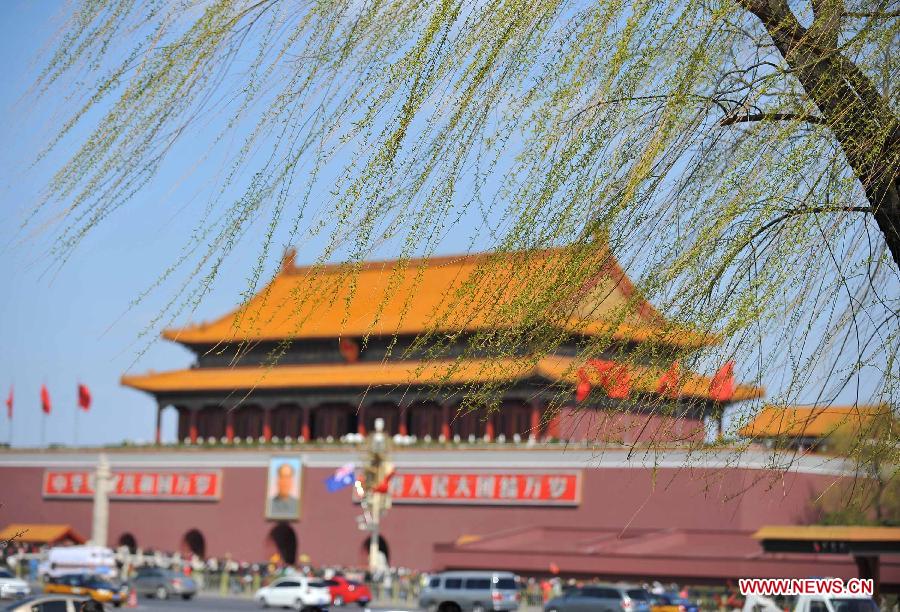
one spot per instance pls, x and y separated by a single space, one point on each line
835 603
470 591
94 560
608 597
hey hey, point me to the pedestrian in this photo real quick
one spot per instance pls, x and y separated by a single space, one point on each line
223 577
547 590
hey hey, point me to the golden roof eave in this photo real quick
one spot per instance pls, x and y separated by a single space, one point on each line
846 533
554 369
806 421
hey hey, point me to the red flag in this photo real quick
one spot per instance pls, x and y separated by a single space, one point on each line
84 397
383 485
45 399
9 403
614 378
668 382
721 388
618 382
584 386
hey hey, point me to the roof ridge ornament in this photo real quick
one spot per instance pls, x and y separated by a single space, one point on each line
288 259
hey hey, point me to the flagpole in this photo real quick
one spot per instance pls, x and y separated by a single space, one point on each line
43 429
76 427
10 413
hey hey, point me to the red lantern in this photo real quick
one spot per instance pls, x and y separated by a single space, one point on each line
349 350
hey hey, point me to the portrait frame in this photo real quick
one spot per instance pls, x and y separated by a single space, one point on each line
283 488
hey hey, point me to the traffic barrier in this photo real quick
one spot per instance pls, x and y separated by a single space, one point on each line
132 599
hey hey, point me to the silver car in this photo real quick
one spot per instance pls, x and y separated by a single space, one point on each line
601 598
12 587
163 583
470 591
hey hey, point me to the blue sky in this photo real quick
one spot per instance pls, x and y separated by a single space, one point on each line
63 326
75 325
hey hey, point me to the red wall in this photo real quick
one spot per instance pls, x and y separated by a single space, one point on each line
727 499
577 424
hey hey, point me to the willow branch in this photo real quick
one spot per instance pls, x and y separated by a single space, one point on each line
803 211
874 14
752 117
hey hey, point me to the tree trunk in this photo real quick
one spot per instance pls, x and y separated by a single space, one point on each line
860 118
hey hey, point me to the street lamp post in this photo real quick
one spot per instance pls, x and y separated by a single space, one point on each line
376 500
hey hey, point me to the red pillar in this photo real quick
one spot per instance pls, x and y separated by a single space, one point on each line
192 428
489 428
304 427
535 421
553 425
445 421
229 424
361 420
267 424
402 428
159 410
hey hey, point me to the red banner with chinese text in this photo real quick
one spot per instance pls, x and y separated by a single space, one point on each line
197 485
488 488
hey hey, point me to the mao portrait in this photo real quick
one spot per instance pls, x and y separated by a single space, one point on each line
283 492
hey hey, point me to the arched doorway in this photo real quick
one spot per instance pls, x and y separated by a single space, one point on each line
382 546
168 422
248 422
333 420
283 539
471 422
128 540
426 419
193 543
285 421
211 422
514 418
383 410
184 423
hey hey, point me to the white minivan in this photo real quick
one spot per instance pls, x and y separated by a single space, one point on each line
95 560
297 592
835 603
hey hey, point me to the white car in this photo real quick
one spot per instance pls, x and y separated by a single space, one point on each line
297 592
12 587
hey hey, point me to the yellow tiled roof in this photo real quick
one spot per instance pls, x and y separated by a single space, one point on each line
828 532
39 533
403 373
806 422
443 294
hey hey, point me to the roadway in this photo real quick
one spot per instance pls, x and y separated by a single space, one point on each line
212 602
